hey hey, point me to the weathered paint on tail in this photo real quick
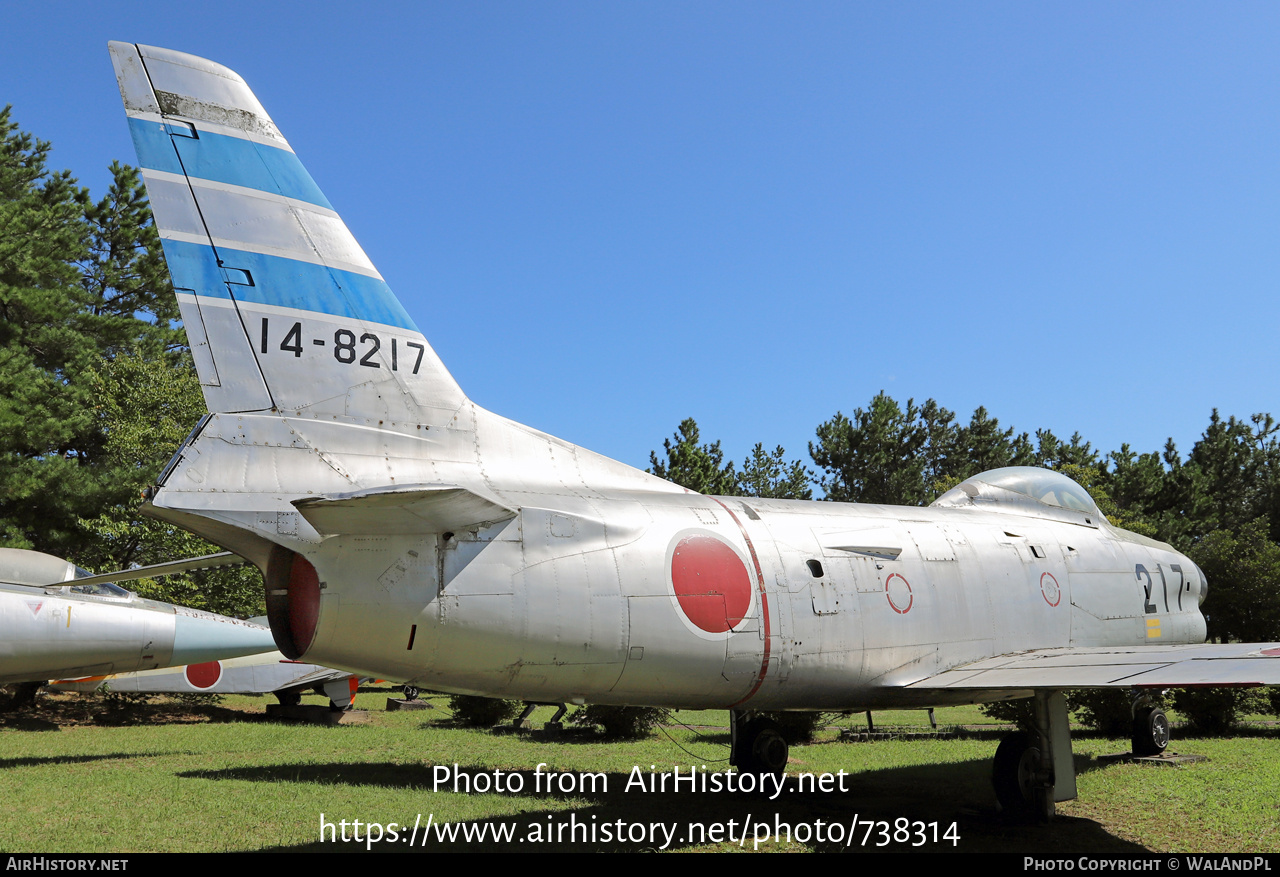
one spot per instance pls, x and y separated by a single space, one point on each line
283 309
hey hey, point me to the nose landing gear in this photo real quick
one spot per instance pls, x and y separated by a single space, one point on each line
1150 731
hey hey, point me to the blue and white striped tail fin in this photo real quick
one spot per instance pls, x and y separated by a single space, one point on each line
283 309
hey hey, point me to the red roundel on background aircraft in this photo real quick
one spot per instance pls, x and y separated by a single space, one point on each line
711 583
204 675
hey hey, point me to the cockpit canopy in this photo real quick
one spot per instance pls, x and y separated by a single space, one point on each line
39 570
1026 489
101 589
21 567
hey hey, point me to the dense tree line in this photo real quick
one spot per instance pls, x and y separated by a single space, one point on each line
96 385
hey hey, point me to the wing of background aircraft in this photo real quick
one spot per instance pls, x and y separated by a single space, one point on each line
251 674
159 570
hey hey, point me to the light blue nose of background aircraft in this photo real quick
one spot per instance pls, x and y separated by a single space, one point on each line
57 622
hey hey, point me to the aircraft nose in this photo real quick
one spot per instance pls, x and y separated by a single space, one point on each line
203 636
1204 583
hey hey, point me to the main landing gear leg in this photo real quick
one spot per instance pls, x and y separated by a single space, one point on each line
756 745
1031 772
341 694
24 695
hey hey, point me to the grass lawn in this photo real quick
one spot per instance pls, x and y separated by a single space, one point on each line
176 778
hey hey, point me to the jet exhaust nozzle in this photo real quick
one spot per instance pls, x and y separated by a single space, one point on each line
293 601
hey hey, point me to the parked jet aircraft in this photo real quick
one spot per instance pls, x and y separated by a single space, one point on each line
58 621
406 532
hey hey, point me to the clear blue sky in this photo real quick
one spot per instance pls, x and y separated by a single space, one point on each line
607 217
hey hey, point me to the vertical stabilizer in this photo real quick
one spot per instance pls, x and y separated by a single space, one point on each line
283 309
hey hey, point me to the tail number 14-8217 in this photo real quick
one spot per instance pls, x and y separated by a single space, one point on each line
344 346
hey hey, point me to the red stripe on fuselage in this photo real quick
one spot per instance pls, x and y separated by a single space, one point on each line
764 607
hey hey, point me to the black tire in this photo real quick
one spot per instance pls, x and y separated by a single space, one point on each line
1013 774
1150 732
766 750
410 692
289 696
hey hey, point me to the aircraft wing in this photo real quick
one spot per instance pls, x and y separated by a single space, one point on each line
156 570
251 674
403 510
318 676
1185 666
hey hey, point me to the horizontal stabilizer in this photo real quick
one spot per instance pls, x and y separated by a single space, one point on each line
1216 664
403 510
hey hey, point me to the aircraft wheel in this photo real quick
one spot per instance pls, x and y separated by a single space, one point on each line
767 750
410 692
289 697
1150 731
24 695
1013 773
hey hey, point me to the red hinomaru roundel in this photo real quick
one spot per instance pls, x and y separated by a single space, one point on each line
711 583
204 675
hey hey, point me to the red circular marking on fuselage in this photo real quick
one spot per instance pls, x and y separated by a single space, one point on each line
1052 589
204 675
711 583
889 595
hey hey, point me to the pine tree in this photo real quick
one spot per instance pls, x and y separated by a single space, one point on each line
881 454
700 468
80 282
772 477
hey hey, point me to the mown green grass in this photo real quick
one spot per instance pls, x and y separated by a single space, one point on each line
238 782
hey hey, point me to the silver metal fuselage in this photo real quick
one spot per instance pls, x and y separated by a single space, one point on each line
581 593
